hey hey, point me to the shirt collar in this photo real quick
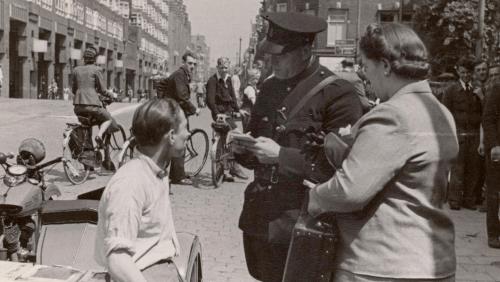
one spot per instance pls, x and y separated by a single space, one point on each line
186 71
464 86
160 173
219 77
421 86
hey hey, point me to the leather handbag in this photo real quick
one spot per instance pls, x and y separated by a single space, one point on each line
311 253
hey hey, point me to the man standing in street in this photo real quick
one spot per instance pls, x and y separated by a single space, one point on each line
176 87
221 99
280 121
466 108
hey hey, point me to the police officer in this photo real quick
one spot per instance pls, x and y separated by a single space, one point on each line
274 198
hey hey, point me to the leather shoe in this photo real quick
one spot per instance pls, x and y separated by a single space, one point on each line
184 181
238 173
454 206
494 243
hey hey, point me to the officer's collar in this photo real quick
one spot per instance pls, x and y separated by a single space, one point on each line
310 69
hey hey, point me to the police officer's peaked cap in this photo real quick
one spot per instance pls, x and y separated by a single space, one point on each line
288 31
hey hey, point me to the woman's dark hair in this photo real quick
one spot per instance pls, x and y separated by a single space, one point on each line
398 44
153 119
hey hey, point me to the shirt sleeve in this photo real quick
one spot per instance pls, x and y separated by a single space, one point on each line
381 147
122 221
250 93
182 94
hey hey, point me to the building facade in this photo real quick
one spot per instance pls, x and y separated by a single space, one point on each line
346 19
179 33
43 40
200 48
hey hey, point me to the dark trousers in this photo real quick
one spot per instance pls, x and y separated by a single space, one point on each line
465 173
177 172
492 189
265 261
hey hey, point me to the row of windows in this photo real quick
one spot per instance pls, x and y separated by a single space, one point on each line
338 19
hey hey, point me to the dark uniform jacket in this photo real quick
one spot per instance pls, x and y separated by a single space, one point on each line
176 87
491 118
88 81
465 106
274 198
221 98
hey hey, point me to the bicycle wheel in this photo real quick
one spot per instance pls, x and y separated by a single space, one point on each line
75 171
127 152
217 156
196 152
115 144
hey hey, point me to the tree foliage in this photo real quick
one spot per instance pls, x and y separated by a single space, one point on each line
450 29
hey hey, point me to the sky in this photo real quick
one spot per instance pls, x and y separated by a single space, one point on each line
223 22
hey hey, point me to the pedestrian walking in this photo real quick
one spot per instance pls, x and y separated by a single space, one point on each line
249 96
136 238
273 200
388 196
481 84
176 87
236 82
52 92
130 94
466 109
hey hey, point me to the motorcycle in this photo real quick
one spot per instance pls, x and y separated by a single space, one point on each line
60 233
23 192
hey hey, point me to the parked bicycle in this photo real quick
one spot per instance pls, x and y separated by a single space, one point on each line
80 156
195 157
220 154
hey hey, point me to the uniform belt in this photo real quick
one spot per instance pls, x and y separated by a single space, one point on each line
267 174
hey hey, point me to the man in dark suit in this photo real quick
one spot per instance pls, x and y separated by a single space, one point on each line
274 198
466 108
176 87
491 127
88 85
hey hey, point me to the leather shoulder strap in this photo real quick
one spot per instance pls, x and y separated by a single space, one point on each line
315 90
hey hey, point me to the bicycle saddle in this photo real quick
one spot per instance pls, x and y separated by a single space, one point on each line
87 120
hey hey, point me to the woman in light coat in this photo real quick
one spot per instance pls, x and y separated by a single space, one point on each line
390 189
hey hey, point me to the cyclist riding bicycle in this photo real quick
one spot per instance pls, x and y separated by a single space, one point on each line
88 86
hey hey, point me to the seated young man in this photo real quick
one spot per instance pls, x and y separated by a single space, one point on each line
136 238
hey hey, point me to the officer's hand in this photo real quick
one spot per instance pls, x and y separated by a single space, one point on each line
495 154
480 149
244 113
266 150
238 148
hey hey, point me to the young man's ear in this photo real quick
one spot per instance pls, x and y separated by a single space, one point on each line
169 137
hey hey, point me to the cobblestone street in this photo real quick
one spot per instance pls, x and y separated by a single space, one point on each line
210 213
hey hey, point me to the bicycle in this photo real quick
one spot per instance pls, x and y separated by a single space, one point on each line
220 153
80 156
195 156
